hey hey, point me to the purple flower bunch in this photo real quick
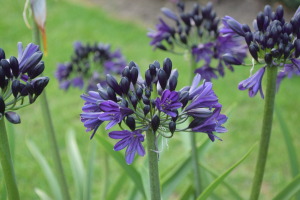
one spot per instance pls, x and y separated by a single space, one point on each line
198 33
152 104
89 63
18 79
274 42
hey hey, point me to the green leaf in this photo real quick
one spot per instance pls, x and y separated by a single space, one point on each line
120 159
290 190
227 185
115 189
76 163
43 195
187 192
208 191
90 172
52 181
144 171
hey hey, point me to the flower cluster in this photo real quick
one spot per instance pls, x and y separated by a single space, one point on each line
89 62
273 42
151 104
198 34
18 79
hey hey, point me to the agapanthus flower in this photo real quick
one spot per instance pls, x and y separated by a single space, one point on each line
18 79
199 35
152 103
88 66
273 42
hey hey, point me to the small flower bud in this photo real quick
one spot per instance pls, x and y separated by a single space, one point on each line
184 98
146 109
162 78
198 20
134 101
246 28
235 27
249 38
2 78
183 39
130 122
13 117
29 89
152 69
2 106
172 83
32 61
111 94
156 64
297 48
287 51
196 9
268 58
295 25
37 70
15 87
253 51
2 54
196 122
172 127
131 64
160 46
175 118
147 93
230 59
274 16
274 33
185 18
134 73
285 38
126 73
6 68
279 12
288 27
124 103
124 84
275 53
139 93
260 21
167 66
146 101
155 123
268 11
281 48
111 82
270 43
153 103
148 77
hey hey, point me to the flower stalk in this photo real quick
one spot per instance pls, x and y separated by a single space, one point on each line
49 127
197 180
153 166
7 164
266 131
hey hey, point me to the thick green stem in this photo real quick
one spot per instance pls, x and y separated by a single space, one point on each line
153 166
197 180
266 131
7 164
49 128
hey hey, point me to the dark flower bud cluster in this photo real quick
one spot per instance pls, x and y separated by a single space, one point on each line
274 42
18 80
88 66
197 33
151 103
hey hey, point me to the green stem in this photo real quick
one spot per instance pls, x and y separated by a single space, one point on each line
197 180
49 127
153 166
266 131
7 164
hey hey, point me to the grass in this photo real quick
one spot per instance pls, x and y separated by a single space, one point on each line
67 22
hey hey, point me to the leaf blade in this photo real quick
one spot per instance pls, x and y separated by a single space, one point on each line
290 190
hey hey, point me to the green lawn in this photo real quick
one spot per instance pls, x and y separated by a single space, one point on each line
67 22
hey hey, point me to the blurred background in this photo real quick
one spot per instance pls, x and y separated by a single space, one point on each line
124 25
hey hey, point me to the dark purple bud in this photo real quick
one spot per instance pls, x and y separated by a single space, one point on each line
156 64
285 38
172 83
263 40
2 78
131 65
297 48
160 46
172 127
130 122
274 16
126 73
287 51
134 101
270 43
175 118
39 84
266 22
196 122
32 61
275 53
155 122
37 70
279 29
253 51
153 103
29 89
256 47
282 21
111 94
295 25
152 69
246 28
183 39
235 27
249 38
15 87
279 12
13 117
111 82
6 68
146 101
198 20
134 73
288 28
185 18
169 13
268 58
2 54
281 48
124 103
103 94
180 6
230 59
2 106
213 14
184 98
196 9
124 84
256 36
22 86
274 33
260 21
148 77
268 11
146 109
139 93
209 6
298 33
162 78
167 66
147 93
187 30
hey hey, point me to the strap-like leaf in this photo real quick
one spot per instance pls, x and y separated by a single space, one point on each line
76 163
115 189
52 181
90 172
42 194
290 190
208 191
187 192
120 159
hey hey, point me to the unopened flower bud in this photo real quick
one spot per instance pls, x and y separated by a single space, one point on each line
246 28
15 87
29 89
156 64
139 93
131 64
37 70
230 59
172 127
162 78
285 38
183 39
2 106
279 12
172 83
111 82
235 27
268 11
249 38
288 27
160 46
185 18
2 78
124 84
146 109
167 66
6 68
253 51
153 103
155 122
297 48
260 21
147 93
184 98
148 77
130 122
134 101
13 117
111 94
295 25
275 53
198 20
152 69
126 73
281 48
270 43
175 118
196 122
274 16
124 103
146 101
32 61
2 54
287 51
268 58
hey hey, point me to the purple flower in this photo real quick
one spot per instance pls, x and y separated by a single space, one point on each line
61 72
226 29
207 72
168 102
203 51
23 56
131 140
163 30
288 71
113 112
169 13
253 83
78 82
65 84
